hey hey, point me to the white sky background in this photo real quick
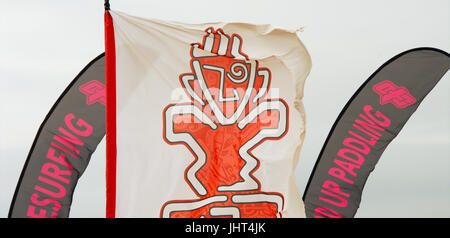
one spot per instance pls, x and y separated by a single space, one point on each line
44 44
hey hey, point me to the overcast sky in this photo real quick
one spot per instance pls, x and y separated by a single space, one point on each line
44 44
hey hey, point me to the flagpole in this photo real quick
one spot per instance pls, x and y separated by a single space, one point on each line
107 5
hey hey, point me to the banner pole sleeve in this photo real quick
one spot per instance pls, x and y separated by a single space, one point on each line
110 73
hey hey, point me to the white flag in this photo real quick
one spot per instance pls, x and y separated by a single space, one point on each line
203 120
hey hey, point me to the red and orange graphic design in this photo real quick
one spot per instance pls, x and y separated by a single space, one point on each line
228 116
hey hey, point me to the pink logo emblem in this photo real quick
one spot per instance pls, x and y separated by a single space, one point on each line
95 92
391 93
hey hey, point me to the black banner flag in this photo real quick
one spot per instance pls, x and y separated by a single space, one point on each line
368 123
63 146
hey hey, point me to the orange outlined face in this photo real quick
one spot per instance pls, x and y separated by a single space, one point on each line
226 119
